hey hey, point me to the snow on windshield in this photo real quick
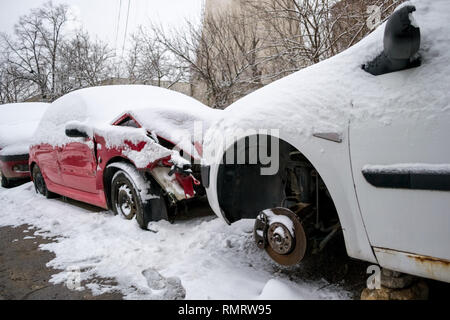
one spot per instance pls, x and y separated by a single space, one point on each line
18 122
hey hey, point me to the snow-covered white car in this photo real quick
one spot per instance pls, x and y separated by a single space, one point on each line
357 143
126 148
18 122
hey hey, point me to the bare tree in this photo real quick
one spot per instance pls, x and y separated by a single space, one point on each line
12 89
35 47
221 55
304 32
83 63
150 62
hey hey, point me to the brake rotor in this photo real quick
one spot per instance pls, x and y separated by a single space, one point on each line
286 239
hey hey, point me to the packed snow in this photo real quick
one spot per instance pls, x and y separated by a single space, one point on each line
15 149
18 122
199 258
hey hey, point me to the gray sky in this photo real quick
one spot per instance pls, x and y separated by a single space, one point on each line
100 17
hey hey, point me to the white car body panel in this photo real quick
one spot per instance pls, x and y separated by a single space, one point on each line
402 117
338 178
415 221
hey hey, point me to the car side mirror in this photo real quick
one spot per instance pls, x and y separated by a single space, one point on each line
75 129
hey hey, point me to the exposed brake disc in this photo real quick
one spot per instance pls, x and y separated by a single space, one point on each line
280 232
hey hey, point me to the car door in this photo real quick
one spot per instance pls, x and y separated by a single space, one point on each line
47 157
400 158
78 164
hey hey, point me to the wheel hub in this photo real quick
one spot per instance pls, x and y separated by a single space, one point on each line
280 232
280 238
125 202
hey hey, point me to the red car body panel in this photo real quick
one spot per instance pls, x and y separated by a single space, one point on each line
76 169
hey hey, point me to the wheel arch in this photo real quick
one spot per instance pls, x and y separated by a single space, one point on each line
336 174
108 175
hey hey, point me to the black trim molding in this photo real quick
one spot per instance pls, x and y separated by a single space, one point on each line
15 157
409 180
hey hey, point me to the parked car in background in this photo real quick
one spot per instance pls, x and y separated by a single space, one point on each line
18 122
360 148
127 148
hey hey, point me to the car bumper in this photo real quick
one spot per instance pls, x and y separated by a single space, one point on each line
15 166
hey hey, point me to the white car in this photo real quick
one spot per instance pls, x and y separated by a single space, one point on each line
362 142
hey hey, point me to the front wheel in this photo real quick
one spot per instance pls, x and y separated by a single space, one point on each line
132 195
125 198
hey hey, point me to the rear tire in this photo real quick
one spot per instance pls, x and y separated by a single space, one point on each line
39 183
127 202
5 182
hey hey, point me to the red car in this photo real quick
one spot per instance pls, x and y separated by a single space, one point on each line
130 149
18 122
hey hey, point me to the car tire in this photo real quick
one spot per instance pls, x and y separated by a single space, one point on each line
127 202
39 183
5 182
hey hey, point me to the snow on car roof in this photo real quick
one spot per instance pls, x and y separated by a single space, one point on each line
163 111
325 96
18 121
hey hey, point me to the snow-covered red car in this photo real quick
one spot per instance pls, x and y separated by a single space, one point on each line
18 121
126 148
357 143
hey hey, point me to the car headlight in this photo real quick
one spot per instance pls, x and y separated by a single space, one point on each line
20 168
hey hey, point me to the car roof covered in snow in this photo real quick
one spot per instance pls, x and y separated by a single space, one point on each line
325 96
18 121
165 112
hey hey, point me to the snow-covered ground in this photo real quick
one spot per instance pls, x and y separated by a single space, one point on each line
199 258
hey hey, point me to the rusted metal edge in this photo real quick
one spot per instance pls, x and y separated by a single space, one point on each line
419 265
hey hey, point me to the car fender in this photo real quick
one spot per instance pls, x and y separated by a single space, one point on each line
332 160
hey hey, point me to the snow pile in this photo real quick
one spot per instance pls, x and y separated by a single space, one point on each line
284 220
163 111
276 289
18 122
15 149
199 258
327 96
415 168
128 139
